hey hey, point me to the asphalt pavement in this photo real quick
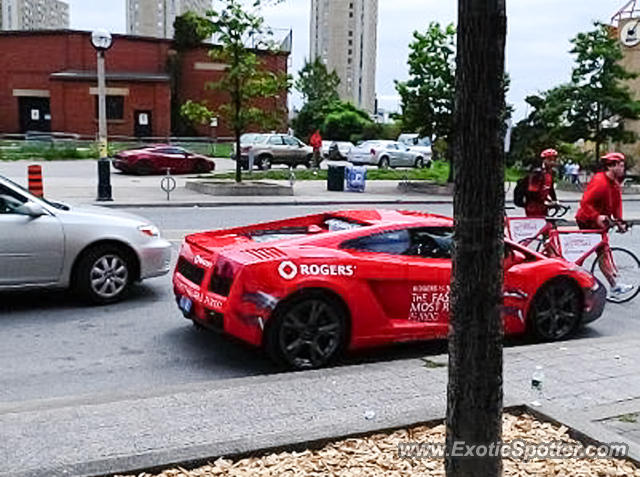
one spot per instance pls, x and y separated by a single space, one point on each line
52 347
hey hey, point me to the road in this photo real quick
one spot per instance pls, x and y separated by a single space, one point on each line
52 347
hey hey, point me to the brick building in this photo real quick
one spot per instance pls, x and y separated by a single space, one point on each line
48 83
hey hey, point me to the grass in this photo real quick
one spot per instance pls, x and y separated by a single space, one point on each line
438 173
73 150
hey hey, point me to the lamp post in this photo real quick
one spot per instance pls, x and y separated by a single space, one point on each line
101 41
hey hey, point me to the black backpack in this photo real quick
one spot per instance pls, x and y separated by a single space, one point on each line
520 192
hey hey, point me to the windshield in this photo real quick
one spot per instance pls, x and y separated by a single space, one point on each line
57 205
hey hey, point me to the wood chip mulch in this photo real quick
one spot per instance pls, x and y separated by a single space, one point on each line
377 455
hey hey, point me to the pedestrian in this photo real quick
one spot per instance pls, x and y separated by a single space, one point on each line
601 207
316 144
541 192
575 173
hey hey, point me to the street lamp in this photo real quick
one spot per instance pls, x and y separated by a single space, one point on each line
101 41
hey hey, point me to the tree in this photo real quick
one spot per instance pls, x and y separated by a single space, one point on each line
343 121
600 100
245 79
316 84
592 106
427 98
319 89
190 30
474 394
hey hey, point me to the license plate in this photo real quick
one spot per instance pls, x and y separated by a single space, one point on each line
185 304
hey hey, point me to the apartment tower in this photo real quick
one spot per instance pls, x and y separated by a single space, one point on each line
155 17
344 35
33 15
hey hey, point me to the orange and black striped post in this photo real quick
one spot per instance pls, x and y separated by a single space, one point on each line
36 186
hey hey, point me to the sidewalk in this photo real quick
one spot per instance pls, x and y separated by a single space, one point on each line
588 384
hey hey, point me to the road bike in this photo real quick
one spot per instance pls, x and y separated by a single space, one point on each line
575 245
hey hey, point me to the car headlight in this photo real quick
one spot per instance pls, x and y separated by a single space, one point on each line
149 230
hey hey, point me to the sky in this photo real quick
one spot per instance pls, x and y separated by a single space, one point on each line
537 56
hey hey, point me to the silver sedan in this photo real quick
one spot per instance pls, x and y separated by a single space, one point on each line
95 251
385 154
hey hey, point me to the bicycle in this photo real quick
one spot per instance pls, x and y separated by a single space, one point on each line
576 245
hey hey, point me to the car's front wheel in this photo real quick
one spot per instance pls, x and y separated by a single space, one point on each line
419 164
308 332
556 310
201 166
104 274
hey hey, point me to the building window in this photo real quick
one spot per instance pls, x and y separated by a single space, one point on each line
115 107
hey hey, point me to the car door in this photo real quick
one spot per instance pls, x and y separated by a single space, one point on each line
392 152
429 271
170 158
278 148
295 151
405 156
31 248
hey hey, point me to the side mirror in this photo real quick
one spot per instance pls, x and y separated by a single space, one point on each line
31 209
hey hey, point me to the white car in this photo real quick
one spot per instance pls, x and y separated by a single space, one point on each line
418 144
385 154
97 252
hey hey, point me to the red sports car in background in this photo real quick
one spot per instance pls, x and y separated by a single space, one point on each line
157 158
311 287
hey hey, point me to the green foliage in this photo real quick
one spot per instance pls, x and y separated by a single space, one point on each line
319 89
591 107
344 120
190 30
427 97
245 80
316 84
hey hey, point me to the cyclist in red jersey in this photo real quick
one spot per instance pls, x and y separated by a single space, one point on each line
601 205
540 190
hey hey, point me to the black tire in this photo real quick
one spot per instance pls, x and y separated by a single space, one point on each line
384 163
419 164
264 163
628 267
296 327
144 168
201 166
556 310
104 274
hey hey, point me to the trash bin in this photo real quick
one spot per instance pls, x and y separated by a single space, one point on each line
356 178
335 178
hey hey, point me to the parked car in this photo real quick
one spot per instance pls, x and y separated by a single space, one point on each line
385 154
305 289
157 158
97 252
270 149
417 143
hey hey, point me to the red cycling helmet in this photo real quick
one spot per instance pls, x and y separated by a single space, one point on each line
549 153
613 157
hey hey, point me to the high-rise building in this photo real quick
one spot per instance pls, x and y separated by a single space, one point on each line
33 15
344 35
155 17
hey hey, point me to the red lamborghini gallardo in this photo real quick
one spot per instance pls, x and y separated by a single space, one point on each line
308 288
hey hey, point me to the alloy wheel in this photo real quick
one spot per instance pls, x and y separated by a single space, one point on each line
109 276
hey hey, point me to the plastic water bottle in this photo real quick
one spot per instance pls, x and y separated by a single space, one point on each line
537 383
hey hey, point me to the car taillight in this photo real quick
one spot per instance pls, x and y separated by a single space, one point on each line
373 152
245 149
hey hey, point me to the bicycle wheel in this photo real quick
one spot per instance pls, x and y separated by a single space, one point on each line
628 273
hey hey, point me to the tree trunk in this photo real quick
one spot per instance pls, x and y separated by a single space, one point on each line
474 395
238 155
